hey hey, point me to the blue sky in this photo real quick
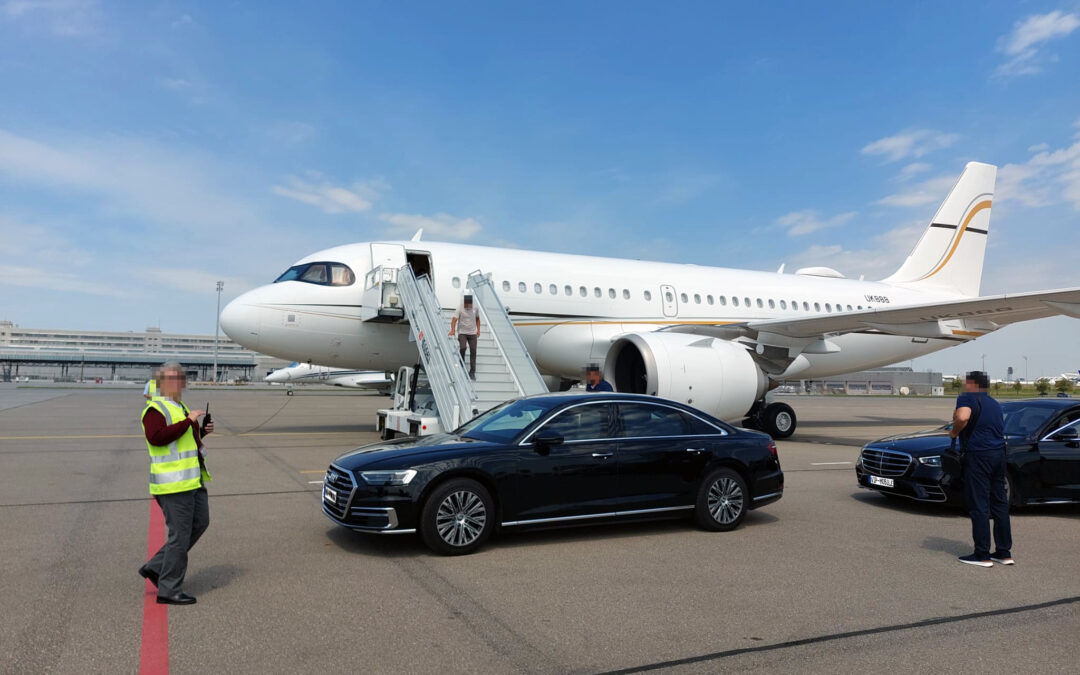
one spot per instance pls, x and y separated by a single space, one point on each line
148 149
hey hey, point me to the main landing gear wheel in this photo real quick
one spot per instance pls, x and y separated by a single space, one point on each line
457 518
777 420
722 501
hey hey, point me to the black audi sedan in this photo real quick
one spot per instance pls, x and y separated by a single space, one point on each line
555 459
1043 441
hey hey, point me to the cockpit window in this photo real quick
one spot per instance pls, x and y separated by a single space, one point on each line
321 273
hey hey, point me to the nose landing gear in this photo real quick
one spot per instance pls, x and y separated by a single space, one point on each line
776 419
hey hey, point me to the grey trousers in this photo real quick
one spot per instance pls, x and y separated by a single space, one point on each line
470 342
187 515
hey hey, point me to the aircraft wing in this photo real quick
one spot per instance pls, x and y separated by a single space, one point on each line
959 319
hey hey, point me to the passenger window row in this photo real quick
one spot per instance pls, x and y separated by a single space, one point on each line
612 294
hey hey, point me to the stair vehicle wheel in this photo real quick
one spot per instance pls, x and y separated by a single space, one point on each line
722 501
457 517
778 420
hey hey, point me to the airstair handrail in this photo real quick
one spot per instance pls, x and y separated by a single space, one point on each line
449 382
522 368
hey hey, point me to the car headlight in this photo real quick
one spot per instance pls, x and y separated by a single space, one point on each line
933 460
388 477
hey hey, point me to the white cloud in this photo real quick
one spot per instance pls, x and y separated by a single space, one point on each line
194 281
914 168
291 133
439 225
25 242
60 17
1024 43
330 198
910 143
1039 147
679 188
176 83
1048 177
129 177
929 191
798 223
880 258
56 278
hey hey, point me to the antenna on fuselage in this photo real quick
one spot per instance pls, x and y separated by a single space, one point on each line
781 270
416 237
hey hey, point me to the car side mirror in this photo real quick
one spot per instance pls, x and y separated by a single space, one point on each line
1070 436
544 444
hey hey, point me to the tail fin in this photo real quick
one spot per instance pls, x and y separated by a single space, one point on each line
949 256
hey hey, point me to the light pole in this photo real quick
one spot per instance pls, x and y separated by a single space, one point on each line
1025 370
217 325
984 363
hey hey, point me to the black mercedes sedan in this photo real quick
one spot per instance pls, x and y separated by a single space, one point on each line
555 459
1043 441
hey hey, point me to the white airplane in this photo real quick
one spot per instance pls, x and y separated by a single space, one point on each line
306 373
713 337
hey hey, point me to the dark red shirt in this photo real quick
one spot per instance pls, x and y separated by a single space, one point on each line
159 433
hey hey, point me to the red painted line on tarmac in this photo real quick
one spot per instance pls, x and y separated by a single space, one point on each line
154 651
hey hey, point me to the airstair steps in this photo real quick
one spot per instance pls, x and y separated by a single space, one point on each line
504 369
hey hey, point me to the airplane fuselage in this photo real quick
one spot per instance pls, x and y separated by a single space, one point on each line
567 308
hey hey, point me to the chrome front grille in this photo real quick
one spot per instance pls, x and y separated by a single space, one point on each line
341 482
885 462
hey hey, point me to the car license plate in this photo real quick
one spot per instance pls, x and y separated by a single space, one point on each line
329 495
882 482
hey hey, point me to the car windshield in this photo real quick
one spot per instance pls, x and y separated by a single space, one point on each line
505 422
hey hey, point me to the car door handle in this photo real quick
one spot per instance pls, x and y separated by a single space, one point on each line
695 449
603 454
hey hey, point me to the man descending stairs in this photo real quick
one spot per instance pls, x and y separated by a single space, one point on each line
504 369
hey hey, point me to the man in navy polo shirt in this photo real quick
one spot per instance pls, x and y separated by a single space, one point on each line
594 381
979 424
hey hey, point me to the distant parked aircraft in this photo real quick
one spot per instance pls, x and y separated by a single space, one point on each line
306 373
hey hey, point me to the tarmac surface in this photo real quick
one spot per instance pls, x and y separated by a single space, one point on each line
830 578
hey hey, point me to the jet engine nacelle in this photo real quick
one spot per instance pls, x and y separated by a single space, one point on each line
717 376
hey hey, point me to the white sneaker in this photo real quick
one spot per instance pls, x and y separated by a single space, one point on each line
1003 559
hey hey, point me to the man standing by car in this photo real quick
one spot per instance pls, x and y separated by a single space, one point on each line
177 477
979 424
594 381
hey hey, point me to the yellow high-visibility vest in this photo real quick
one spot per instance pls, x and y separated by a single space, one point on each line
174 467
151 387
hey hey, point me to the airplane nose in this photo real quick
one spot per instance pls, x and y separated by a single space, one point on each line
240 321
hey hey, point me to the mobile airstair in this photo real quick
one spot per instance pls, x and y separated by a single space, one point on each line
504 369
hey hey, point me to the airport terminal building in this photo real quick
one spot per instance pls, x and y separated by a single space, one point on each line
77 355
892 381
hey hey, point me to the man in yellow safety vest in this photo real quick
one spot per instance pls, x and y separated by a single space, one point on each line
177 477
150 390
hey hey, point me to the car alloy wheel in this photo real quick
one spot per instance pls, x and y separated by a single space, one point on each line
725 500
721 503
457 517
461 518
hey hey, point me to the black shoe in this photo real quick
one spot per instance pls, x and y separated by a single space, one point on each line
178 599
148 574
472 375
975 560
